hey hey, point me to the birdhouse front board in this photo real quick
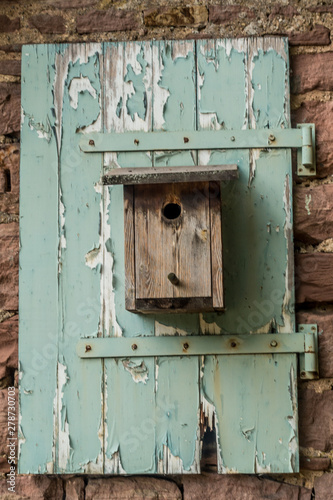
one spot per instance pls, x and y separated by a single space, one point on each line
176 247
104 387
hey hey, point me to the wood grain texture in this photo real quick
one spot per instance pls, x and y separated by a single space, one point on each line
216 245
181 246
141 175
129 248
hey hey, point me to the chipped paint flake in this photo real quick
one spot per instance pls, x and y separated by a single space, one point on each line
94 257
78 86
139 371
209 328
64 448
171 464
289 279
261 468
161 329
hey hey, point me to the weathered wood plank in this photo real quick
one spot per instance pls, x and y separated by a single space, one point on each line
129 385
257 239
216 244
174 109
179 245
250 397
129 246
77 94
38 332
170 174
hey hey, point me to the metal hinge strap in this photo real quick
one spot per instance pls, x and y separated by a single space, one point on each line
127 347
303 137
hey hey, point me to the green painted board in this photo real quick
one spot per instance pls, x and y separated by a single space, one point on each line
148 415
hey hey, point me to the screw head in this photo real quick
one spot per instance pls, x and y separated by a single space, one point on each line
91 143
233 344
88 347
136 142
271 137
186 139
185 346
273 343
134 347
232 138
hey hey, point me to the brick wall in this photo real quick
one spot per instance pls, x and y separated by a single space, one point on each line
308 24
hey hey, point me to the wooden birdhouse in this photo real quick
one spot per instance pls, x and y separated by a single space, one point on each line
173 237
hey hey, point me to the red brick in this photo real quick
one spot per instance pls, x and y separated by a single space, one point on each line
319 35
323 487
71 4
8 346
314 277
311 72
107 20
34 487
222 14
176 16
319 113
10 108
75 488
321 9
9 252
313 213
140 488
13 47
7 25
9 178
46 23
315 463
231 487
324 321
287 11
10 67
316 419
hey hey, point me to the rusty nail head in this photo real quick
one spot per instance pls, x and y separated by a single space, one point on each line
274 343
186 139
136 141
186 346
302 328
271 137
91 143
302 374
134 347
313 328
233 344
88 347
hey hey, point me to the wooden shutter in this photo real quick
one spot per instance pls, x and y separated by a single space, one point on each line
148 415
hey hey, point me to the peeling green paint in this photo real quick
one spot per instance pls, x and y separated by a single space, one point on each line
225 72
178 78
137 101
269 90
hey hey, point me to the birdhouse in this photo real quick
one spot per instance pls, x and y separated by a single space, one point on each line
173 237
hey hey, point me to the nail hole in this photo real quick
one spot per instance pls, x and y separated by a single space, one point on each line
171 211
